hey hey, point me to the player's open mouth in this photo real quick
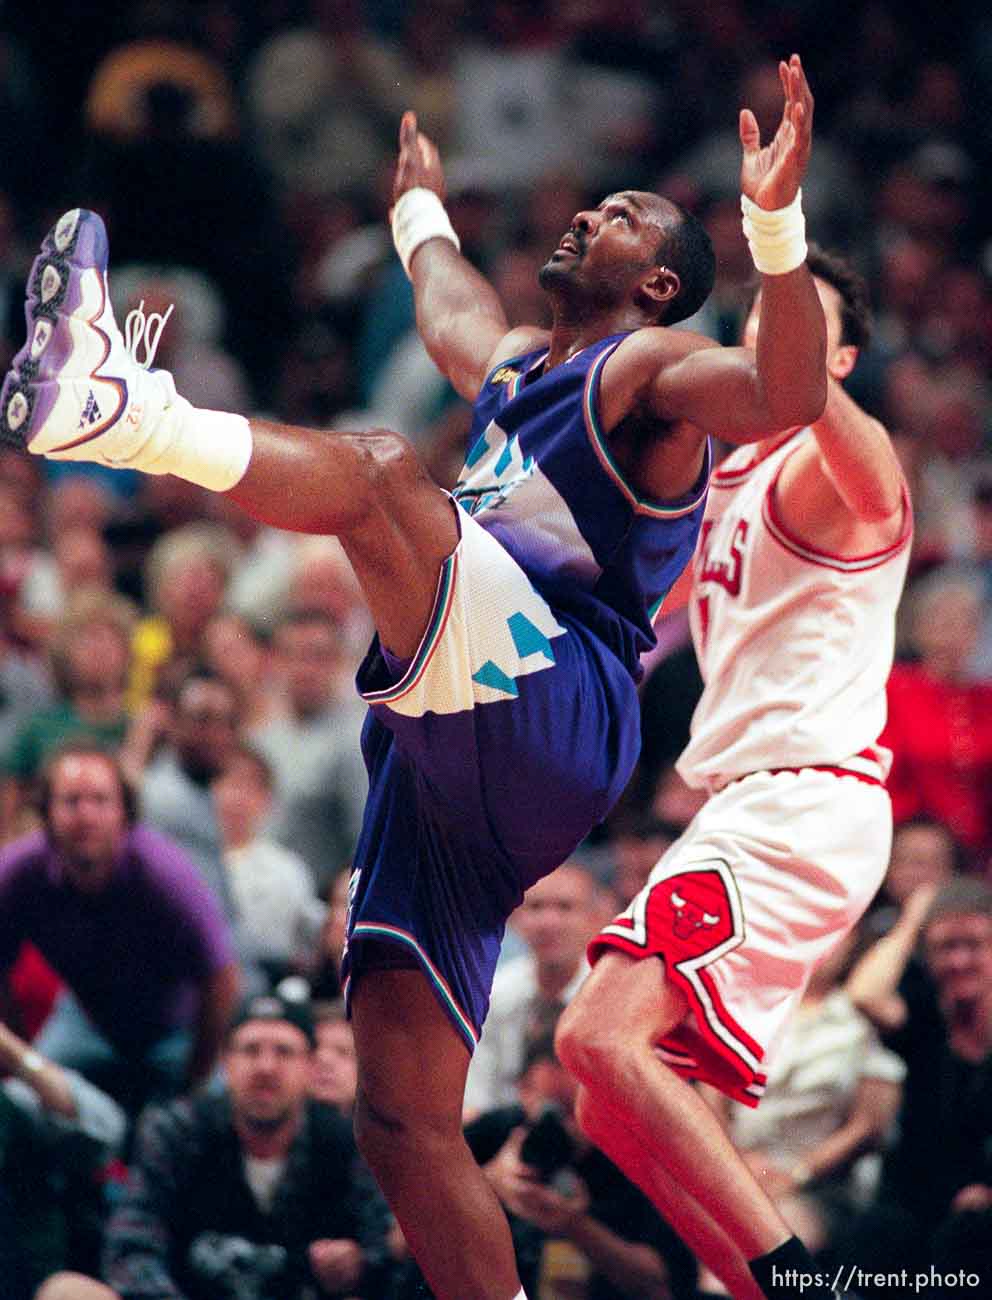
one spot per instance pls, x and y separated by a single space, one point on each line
569 245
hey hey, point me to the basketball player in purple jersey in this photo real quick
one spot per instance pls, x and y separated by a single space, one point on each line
503 717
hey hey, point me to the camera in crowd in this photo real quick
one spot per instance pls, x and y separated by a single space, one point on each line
548 1147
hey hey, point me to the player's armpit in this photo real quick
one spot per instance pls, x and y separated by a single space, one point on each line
522 339
633 375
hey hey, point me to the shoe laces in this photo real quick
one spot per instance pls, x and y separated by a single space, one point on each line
140 329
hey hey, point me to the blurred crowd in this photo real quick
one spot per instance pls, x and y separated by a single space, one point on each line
241 155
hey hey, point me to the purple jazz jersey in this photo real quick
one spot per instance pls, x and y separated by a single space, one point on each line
516 726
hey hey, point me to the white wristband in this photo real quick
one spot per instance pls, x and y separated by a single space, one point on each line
209 448
419 215
777 239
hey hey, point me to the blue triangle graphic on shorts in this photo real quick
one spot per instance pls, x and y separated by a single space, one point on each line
476 451
491 675
528 639
505 457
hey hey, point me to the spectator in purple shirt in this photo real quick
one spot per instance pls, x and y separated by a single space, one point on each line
128 922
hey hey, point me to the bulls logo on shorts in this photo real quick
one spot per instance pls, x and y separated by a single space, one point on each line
688 912
698 909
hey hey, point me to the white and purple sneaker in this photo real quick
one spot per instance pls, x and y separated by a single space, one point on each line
76 391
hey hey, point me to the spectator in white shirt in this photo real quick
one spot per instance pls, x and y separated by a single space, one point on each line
556 920
279 914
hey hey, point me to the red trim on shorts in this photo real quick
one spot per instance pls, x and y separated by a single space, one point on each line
719 1073
843 768
820 767
690 898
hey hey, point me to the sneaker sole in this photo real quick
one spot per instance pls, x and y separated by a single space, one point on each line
66 296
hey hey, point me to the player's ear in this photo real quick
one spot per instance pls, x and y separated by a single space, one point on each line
660 286
843 361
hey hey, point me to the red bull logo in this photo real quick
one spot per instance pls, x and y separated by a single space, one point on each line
700 909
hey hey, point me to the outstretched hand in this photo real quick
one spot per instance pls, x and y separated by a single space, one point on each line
419 163
771 175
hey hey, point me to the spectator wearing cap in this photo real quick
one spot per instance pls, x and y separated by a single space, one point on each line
125 919
253 1191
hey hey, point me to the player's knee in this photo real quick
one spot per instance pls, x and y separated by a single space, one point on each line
391 464
377 1125
391 1128
382 465
584 1041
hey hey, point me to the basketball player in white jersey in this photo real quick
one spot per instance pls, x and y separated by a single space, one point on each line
798 572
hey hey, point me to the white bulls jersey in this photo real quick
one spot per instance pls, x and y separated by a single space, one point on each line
794 644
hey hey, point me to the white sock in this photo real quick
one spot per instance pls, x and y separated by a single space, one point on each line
162 433
211 448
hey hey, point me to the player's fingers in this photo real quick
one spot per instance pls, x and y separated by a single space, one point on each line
408 129
783 76
801 90
750 135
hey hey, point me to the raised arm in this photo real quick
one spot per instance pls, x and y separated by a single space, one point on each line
734 392
858 458
873 984
844 491
459 316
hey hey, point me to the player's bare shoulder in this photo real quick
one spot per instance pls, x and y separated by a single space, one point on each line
517 342
632 373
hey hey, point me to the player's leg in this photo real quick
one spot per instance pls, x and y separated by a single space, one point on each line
370 489
408 1121
76 392
636 1153
607 1037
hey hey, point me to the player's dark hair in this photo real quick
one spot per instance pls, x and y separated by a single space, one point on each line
687 250
856 323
